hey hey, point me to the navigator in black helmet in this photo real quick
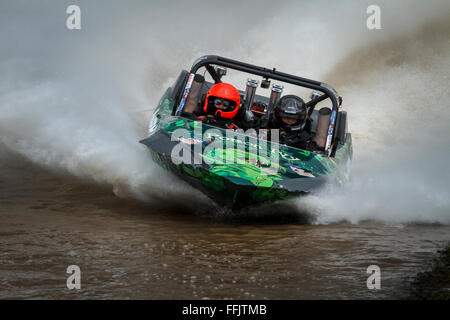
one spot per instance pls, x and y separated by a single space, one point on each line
291 113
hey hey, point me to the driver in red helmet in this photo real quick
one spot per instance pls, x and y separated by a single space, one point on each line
222 104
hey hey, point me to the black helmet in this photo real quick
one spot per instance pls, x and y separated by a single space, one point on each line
292 107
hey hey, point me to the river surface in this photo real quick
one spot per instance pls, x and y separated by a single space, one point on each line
128 250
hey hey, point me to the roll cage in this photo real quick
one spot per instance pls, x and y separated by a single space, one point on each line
327 91
207 61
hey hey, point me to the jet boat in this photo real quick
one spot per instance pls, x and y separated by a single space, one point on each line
258 170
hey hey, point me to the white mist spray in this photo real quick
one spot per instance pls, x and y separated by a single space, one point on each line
397 95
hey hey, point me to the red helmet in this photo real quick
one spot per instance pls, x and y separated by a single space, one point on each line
222 94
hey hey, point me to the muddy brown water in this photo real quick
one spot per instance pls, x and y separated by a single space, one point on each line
126 249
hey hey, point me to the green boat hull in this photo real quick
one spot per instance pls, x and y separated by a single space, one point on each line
245 183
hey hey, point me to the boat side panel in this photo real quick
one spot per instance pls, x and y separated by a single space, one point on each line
219 188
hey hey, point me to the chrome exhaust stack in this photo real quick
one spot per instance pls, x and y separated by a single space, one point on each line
194 94
275 96
322 127
250 92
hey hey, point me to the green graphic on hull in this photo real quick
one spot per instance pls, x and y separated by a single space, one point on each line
242 175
